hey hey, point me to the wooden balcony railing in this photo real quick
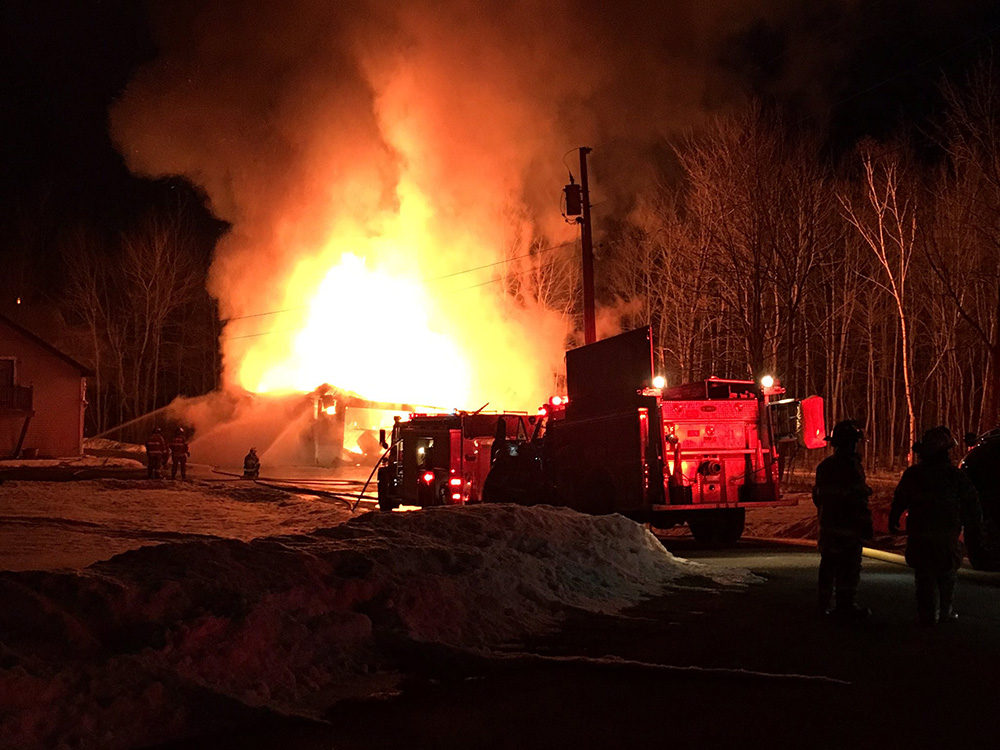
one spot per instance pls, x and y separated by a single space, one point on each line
16 397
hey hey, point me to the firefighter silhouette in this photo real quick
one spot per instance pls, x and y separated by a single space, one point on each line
841 497
251 465
156 453
939 500
179 453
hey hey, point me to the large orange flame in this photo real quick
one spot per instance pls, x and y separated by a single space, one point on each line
354 307
406 316
377 170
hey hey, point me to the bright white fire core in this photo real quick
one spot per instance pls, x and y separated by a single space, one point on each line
355 313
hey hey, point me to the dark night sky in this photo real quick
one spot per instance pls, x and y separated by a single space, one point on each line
852 68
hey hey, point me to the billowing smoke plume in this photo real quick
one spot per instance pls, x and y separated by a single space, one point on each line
369 153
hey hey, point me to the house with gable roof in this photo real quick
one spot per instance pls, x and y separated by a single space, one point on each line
42 396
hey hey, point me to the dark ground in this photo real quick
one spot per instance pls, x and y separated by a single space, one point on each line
808 682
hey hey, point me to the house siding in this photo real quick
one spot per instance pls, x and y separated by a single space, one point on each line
56 429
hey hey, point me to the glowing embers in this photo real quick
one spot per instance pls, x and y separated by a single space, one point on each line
367 331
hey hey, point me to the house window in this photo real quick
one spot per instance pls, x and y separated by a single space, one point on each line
6 373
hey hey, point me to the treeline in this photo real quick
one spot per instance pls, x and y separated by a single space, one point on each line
135 295
872 279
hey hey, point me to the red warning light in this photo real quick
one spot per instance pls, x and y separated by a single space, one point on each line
427 477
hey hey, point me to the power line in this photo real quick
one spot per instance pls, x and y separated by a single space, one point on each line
533 253
506 260
910 69
496 280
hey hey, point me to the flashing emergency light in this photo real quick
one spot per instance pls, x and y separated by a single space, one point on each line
455 482
659 381
427 477
456 496
767 381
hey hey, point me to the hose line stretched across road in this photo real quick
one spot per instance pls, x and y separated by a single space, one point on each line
985 577
327 487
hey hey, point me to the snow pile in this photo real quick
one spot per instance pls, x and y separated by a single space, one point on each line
140 647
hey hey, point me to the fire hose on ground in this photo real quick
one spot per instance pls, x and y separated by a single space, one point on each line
984 577
287 485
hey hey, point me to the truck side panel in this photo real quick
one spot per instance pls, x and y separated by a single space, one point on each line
604 377
601 466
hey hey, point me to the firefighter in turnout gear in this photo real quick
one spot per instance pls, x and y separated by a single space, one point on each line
939 500
156 454
251 465
841 497
179 453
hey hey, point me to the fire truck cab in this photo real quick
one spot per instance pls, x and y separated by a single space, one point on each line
443 459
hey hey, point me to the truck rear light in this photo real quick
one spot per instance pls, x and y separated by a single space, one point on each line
456 496
427 477
455 482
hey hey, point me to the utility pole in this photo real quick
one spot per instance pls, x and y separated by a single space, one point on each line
587 240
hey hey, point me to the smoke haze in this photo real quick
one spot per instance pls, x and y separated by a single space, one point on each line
364 150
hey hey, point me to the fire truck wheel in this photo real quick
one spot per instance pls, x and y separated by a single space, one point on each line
718 528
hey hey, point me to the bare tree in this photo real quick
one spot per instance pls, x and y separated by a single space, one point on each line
159 277
887 222
85 296
964 249
132 297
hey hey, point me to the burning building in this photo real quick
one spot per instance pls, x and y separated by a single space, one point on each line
391 173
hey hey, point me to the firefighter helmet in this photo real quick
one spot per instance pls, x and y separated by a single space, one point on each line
936 440
845 434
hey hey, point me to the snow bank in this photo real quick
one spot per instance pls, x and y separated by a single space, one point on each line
132 650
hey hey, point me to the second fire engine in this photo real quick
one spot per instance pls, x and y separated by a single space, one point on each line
699 453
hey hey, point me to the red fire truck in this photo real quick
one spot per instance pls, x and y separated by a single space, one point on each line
699 453
443 459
